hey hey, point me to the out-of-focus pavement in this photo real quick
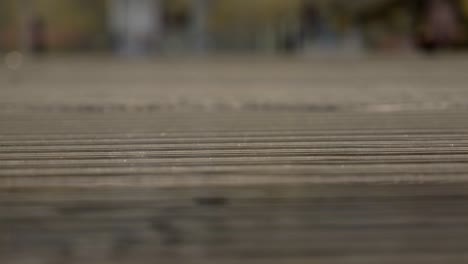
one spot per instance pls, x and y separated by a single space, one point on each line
231 160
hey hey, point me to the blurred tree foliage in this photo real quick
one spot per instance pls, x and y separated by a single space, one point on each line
6 13
9 22
73 24
465 7
258 13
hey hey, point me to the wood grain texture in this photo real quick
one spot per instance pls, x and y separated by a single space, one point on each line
91 173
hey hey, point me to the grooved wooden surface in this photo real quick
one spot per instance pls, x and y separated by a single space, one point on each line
288 162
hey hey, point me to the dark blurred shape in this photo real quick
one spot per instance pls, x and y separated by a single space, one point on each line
441 25
39 35
214 201
310 21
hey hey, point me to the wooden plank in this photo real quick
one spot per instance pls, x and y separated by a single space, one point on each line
82 181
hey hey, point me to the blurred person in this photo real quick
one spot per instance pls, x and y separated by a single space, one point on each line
441 26
38 35
200 24
318 29
136 26
310 19
352 40
349 34
402 26
314 28
398 31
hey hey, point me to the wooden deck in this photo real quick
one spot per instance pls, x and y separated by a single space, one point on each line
353 161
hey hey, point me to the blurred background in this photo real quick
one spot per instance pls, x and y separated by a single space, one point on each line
155 27
269 154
